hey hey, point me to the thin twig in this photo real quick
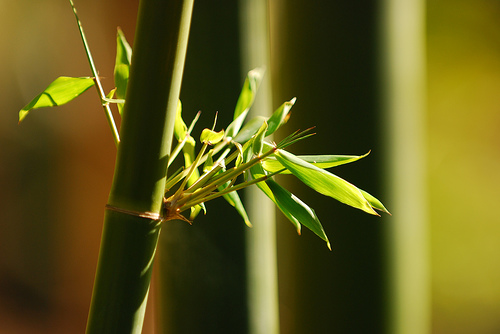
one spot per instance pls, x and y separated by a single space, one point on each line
100 91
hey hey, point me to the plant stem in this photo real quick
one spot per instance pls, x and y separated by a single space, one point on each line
98 85
131 230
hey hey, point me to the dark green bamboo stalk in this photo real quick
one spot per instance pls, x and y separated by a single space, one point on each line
131 226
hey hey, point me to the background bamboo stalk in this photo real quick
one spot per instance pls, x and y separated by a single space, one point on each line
262 267
129 241
202 266
404 103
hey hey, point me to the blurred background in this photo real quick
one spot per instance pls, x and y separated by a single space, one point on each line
415 82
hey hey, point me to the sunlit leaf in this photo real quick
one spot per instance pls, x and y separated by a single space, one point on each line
60 91
189 155
322 161
259 139
234 200
249 129
211 137
279 117
324 182
122 67
209 163
298 209
111 93
245 156
195 210
123 50
257 172
245 100
180 132
180 128
121 79
375 203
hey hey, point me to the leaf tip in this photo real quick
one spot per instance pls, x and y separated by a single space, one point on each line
299 229
22 115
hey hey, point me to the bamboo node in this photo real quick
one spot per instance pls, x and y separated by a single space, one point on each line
146 214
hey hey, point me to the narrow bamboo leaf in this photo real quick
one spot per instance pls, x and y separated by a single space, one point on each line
324 182
189 155
301 211
195 211
245 100
209 163
211 137
257 172
122 67
182 133
111 94
375 203
121 74
123 49
245 156
60 91
180 128
322 161
280 116
234 200
249 129
258 142
250 87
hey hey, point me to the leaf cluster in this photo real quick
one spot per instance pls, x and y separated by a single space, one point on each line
231 159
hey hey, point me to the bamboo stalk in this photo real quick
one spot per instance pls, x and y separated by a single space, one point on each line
403 56
131 228
261 249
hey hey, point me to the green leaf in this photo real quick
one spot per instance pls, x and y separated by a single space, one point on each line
123 49
324 182
122 67
234 200
280 116
258 141
180 132
257 172
180 128
209 163
298 209
60 91
211 137
322 161
375 203
244 156
111 94
195 210
249 129
245 100
189 155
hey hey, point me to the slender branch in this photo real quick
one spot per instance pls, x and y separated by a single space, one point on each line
229 190
98 85
179 146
